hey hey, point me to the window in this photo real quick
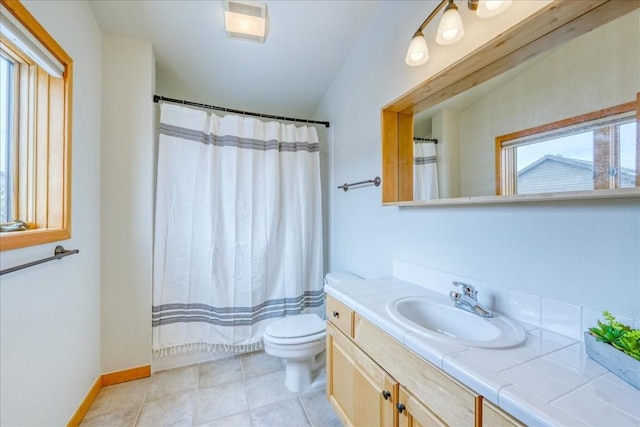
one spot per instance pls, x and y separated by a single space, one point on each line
6 152
35 131
590 152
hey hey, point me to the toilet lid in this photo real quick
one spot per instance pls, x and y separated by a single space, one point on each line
300 325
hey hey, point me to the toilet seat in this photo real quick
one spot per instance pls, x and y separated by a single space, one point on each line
302 328
294 340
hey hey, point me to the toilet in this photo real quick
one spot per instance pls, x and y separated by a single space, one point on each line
300 341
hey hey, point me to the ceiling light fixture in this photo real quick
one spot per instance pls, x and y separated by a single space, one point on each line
451 28
245 19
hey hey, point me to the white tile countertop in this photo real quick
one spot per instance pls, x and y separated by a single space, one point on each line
547 380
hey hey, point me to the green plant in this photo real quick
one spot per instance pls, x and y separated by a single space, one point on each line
619 335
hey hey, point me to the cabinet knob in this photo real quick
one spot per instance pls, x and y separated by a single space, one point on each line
386 394
336 314
401 407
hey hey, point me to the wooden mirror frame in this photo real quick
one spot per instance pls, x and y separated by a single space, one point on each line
553 25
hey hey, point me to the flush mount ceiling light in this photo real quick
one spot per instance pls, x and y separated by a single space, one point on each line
245 19
450 29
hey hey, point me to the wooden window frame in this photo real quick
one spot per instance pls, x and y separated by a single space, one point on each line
506 170
44 201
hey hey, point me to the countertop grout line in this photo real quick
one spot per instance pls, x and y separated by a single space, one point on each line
604 402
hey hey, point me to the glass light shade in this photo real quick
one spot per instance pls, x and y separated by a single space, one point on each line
450 29
245 24
491 8
418 52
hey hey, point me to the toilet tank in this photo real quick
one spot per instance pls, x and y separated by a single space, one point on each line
340 276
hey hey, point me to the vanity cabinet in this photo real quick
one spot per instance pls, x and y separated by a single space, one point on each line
413 413
373 380
494 416
360 391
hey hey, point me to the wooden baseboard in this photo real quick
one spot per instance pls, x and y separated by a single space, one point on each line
103 381
126 375
86 403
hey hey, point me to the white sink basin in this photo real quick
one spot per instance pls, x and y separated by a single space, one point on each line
447 323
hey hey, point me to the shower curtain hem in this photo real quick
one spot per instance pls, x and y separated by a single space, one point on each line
207 347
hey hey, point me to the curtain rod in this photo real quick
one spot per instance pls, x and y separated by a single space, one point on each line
434 140
158 98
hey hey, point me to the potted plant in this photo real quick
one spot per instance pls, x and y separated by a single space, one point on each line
615 346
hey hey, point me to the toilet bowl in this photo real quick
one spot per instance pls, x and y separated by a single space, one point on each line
300 341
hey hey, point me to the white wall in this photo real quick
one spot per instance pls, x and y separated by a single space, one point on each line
446 128
582 252
50 314
127 194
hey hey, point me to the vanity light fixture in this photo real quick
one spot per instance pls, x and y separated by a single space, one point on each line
245 19
451 28
490 8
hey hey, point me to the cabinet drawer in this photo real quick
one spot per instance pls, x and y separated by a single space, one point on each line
494 416
340 315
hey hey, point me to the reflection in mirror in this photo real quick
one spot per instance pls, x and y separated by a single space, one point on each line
594 72
596 151
425 169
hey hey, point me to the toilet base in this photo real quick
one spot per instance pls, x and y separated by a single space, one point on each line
305 374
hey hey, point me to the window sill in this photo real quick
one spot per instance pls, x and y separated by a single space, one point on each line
23 239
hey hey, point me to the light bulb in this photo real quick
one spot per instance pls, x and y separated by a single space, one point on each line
491 8
418 52
450 29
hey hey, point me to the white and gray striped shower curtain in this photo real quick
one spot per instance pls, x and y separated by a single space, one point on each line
425 171
238 229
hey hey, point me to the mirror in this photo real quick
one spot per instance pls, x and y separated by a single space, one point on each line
560 83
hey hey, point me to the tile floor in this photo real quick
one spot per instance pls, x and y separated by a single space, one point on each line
241 391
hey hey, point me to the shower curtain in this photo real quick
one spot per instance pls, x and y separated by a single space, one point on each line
238 229
425 171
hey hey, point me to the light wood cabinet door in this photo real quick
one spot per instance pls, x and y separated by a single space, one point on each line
413 413
453 402
361 393
492 416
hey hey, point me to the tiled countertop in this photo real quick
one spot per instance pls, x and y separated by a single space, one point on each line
547 380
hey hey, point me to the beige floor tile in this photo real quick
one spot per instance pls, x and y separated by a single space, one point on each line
260 363
286 413
119 397
220 401
114 419
212 394
220 372
237 420
267 389
176 410
318 409
172 381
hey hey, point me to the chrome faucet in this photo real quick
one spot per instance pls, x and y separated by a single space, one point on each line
468 300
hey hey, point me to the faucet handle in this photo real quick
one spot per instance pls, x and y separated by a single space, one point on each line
467 289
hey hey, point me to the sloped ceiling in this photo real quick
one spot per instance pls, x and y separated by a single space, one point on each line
307 43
